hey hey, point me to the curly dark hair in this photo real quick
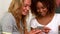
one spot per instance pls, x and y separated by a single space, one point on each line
49 4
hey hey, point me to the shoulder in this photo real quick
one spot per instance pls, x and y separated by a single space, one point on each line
7 18
58 18
57 15
8 15
33 23
33 19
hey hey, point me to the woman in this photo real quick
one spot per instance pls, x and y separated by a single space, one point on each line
14 21
45 17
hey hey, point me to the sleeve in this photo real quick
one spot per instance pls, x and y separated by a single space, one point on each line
7 24
59 19
33 23
59 22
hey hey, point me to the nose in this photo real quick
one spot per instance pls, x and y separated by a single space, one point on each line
27 8
41 10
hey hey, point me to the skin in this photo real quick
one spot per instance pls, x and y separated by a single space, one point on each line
44 18
26 7
41 9
36 31
25 11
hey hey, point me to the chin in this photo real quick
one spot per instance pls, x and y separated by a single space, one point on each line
43 15
24 14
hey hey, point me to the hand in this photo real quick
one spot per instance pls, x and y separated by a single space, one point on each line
37 31
46 30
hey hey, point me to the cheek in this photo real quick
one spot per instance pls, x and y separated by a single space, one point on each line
45 10
23 13
23 8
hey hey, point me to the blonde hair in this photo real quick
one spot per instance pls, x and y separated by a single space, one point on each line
15 8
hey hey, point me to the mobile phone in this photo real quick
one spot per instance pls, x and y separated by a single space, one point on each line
40 27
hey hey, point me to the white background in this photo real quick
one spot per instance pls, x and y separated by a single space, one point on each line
4 4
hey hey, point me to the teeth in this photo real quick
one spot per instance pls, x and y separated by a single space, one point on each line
25 10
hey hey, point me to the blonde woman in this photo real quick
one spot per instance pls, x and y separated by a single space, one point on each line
14 21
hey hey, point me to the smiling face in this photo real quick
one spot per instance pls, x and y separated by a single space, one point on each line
26 7
41 9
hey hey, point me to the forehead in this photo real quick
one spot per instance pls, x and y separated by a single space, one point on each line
39 4
27 1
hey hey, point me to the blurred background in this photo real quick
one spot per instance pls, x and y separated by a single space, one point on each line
58 6
4 4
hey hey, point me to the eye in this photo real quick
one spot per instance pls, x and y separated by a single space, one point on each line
43 7
25 5
37 7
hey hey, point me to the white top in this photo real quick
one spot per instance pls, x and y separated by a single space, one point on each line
53 25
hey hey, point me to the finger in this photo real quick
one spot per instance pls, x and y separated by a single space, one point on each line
38 31
33 30
47 28
46 31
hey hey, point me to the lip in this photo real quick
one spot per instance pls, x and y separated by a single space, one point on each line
25 12
43 14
